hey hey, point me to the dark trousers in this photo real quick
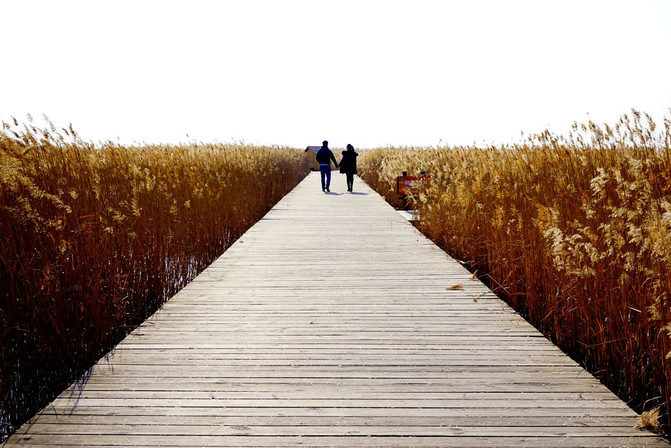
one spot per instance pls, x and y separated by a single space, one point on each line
325 171
350 181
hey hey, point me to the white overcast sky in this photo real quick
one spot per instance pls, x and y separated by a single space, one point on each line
366 72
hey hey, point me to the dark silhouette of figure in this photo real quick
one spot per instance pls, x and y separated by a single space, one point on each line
348 165
324 157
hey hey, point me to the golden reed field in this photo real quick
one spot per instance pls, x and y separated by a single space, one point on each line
573 231
93 239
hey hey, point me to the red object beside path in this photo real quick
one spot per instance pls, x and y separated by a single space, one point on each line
412 184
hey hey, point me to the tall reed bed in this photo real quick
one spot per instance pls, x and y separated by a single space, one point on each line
94 239
574 232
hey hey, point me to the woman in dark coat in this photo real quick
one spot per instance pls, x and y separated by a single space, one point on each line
348 165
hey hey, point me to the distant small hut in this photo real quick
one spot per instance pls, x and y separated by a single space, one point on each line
314 150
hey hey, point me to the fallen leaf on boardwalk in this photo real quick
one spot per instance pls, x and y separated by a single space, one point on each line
457 286
475 274
648 420
475 299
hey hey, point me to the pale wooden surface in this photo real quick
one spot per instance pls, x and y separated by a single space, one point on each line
329 324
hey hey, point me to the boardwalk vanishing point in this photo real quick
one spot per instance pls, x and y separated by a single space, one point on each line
329 324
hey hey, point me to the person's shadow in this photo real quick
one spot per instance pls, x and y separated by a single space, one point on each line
358 193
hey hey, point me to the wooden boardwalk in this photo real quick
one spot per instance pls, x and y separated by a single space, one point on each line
329 324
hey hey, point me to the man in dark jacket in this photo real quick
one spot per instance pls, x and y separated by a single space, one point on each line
324 157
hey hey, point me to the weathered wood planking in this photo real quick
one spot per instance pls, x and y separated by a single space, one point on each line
329 324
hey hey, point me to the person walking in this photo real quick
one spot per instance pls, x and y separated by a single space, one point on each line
324 157
348 165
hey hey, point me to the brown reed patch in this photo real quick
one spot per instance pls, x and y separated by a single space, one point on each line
93 239
573 231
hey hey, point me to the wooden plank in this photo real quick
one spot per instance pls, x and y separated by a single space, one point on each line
394 428
335 413
329 323
320 420
353 439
